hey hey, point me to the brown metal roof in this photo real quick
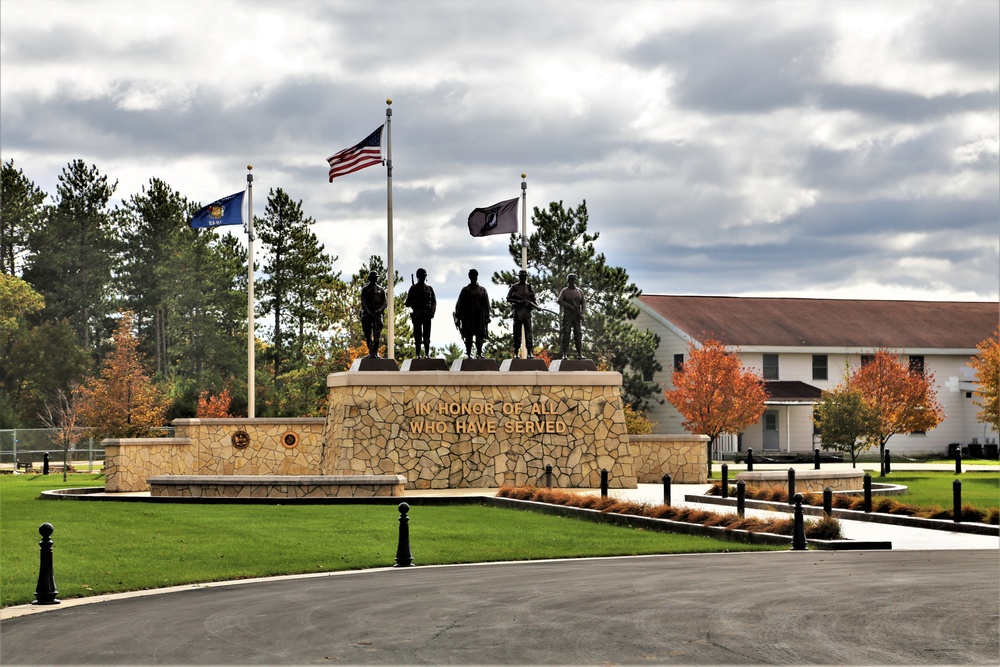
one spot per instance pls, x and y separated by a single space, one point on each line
791 391
746 321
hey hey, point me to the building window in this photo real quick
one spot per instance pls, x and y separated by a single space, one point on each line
678 362
820 371
917 364
867 359
770 367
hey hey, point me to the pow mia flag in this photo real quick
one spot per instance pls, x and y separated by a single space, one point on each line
500 218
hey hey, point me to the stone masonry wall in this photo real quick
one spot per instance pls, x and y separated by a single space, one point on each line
682 456
128 463
461 429
266 453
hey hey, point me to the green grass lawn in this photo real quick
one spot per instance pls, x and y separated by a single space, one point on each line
105 547
930 489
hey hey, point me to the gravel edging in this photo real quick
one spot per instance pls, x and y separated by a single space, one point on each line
854 515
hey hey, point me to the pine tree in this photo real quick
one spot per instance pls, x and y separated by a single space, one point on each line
21 209
74 253
559 246
150 221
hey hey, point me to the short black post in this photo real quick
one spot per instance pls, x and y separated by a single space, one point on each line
725 480
741 498
749 459
403 556
868 492
548 476
958 460
45 463
45 590
791 484
828 501
799 531
604 482
816 459
666 489
888 463
956 492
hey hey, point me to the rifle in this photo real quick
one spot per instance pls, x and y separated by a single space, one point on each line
533 305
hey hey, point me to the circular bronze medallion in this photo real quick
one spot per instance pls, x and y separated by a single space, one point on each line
290 439
241 439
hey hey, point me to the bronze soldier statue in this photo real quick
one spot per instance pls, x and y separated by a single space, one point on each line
472 315
521 297
423 304
573 309
373 305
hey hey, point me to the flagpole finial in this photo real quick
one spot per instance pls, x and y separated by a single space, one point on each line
249 167
523 175
388 100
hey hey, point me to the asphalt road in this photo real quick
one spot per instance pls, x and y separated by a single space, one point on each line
800 608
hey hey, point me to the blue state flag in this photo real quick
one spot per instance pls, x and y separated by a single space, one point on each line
225 211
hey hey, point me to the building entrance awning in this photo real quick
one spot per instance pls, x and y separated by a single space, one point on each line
791 393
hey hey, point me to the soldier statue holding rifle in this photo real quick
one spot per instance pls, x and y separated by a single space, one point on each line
573 310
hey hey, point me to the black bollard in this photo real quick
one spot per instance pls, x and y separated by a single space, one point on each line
791 484
828 501
45 463
956 492
548 476
888 463
604 482
725 480
666 489
45 590
958 460
799 531
749 459
403 556
741 498
816 459
868 492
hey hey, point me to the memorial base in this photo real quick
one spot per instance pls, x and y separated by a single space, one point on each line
572 365
374 364
518 364
424 365
475 365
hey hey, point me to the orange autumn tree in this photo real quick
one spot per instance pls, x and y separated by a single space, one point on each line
715 393
986 363
122 402
213 407
904 399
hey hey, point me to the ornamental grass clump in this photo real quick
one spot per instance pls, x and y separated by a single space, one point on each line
780 526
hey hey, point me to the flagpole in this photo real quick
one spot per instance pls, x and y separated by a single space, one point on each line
524 247
390 335
251 342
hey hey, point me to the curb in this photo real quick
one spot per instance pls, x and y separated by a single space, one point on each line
854 515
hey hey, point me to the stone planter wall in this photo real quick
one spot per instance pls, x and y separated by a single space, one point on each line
682 456
129 462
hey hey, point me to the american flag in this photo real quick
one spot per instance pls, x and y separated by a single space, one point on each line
363 154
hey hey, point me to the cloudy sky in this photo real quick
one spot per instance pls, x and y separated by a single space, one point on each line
821 149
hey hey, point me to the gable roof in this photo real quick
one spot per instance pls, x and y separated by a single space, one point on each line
852 323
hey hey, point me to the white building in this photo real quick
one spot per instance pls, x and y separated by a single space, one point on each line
803 346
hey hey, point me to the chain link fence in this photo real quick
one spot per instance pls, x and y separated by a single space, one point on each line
21 445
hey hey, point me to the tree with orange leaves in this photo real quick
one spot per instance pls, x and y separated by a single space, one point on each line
716 393
213 407
904 399
122 402
987 366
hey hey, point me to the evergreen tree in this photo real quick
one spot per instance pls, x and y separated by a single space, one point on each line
297 274
559 246
150 221
74 252
21 208
205 278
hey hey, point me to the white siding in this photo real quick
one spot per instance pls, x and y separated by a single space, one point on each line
795 422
